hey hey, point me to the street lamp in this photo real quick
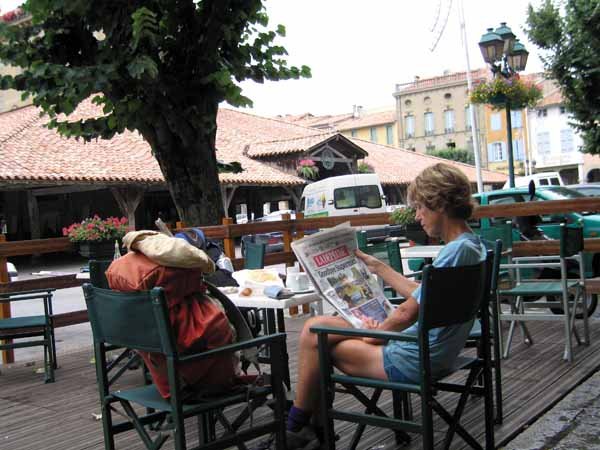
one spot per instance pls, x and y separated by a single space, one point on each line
506 56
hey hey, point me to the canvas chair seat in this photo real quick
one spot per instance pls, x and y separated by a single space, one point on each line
149 397
23 322
539 288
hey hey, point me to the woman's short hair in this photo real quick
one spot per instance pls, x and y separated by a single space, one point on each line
442 188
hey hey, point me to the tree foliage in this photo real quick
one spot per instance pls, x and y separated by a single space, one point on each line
454 154
570 39
160 67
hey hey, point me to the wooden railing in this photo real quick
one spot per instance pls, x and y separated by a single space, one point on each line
291 229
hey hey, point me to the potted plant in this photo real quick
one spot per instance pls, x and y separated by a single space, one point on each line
307 169
405 217
96 237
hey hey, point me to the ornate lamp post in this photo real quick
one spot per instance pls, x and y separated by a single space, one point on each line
506 56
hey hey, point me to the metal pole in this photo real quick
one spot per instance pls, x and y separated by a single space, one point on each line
511 166
461 18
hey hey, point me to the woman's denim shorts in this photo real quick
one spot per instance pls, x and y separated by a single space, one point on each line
392 372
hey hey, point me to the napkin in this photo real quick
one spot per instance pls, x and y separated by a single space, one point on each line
277 292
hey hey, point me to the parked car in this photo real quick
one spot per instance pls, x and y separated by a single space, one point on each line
274 240
589 190
546 224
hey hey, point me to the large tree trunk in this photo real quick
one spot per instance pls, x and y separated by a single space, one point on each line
188 162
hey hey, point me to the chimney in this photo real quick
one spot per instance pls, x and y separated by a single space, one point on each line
356 111
417 78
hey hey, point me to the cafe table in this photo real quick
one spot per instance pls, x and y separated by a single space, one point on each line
273 318
421 251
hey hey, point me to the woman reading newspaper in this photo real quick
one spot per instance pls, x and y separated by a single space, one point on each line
441 195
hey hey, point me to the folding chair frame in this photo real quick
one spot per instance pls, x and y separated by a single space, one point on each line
40 326
402 422
149 310
524 288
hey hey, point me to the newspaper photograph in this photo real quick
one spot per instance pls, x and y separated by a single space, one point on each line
340 277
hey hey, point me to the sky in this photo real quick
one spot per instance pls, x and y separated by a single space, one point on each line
358 50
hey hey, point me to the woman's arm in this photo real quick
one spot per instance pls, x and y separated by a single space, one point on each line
401 318
397 281
407 312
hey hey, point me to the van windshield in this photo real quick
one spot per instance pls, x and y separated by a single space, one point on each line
357 196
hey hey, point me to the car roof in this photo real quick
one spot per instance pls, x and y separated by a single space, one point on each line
519 190
585 185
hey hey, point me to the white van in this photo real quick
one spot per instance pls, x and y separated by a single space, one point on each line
539 179
343 195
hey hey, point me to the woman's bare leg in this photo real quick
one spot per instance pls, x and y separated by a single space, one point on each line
360 359
307 387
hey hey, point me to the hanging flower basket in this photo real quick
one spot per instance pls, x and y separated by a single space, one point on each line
501 92
307 169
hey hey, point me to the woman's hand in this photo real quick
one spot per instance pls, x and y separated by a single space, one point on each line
371 324
373 264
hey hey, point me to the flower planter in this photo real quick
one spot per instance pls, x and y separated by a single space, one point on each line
97 249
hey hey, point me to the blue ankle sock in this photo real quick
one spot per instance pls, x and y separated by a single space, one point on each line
297 418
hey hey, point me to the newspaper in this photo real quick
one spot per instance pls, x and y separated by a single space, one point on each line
340 277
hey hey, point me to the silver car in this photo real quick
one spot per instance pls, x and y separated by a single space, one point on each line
589 189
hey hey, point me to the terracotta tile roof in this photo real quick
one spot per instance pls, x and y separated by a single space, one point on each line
399 166
30 153
14 121
287 146
342 122
36 154
553 98
236 130
327 121
368 120
428 83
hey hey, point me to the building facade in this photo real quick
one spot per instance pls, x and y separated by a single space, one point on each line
374 125
433 113
555 144
377 127
496 140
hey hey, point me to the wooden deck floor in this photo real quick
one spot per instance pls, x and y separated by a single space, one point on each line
36 416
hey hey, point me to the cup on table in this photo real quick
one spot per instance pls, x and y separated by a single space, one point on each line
297 281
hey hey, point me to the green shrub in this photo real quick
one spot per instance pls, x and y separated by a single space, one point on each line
364 167
403 216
